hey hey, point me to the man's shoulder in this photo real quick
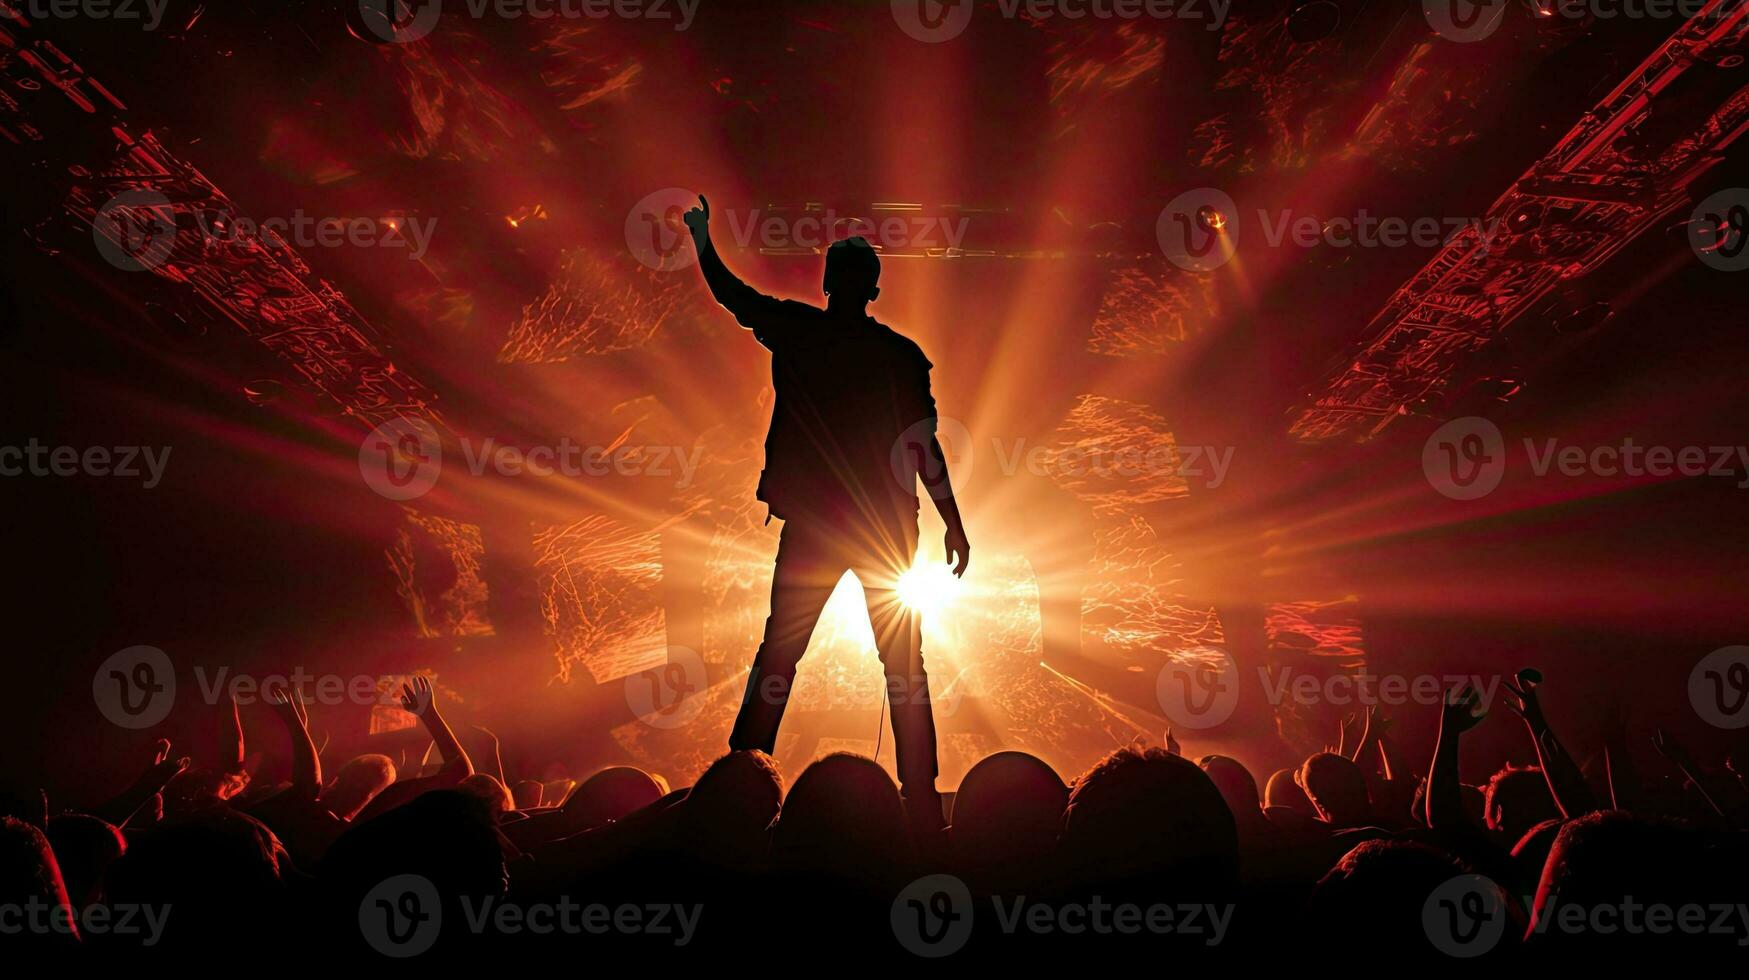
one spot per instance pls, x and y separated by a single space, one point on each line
903 345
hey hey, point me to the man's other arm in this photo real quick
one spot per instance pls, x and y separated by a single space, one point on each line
940 487
932 470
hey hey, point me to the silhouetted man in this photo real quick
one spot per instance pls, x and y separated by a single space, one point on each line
852 430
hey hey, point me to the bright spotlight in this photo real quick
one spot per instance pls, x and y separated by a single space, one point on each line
928 587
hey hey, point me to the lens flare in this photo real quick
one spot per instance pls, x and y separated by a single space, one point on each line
928 587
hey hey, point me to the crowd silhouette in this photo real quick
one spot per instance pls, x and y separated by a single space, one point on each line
1147 848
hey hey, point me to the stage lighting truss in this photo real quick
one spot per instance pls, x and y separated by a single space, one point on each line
1569 214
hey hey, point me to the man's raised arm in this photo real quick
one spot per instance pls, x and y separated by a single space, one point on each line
751 308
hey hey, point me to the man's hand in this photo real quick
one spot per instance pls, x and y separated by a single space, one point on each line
1463 709
956 544
698 220
289 705
416 695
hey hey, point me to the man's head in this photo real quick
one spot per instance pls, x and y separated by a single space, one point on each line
1518 799
357 783
852 271
1337 788
1144 815
1238 787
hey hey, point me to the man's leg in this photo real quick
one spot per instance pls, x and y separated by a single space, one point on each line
800 586
898 635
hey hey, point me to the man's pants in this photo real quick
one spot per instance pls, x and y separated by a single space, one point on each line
811 558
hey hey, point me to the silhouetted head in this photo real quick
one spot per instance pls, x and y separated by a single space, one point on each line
1337 788
842 819
1532 850
852 272
1238 787
727 813
218 868
1381 887
1518 799
29 877
1147 818
1612 860
357 783
1283 791
613 794
1008 813
445 835
528 793
490 792
85 846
